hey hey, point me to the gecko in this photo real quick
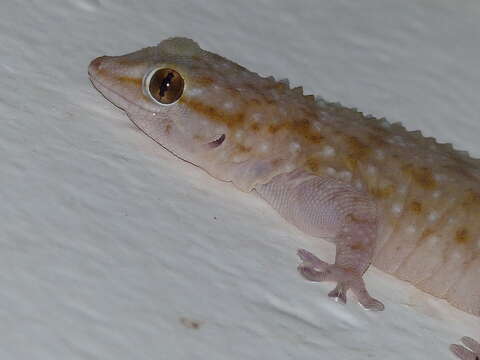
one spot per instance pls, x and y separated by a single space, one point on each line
382 194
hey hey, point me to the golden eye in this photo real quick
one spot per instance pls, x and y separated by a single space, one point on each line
165 85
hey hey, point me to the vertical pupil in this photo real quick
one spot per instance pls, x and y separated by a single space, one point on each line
165 84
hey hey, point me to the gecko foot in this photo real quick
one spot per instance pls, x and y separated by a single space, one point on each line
471 350
314 269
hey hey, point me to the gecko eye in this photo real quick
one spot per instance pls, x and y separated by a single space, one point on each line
165 86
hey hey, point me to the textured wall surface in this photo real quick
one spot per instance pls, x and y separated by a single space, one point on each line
111 248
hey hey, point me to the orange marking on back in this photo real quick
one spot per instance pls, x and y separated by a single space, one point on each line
462 236
472 198
383 192
204 80
242 148
358 150
255 127
416 207
274 128
426 233
422 176
312 164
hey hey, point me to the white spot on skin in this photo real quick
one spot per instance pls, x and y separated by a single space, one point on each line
345 175
411 229
239 134
282 111
228 105
317 125
430 160
195 91
327 151
379 154
238 158
294 147
385 124
371 170
397 208
397 140
456 255
439 177
264 147
289 167
433 216
358 185
433 240
436 194
323 116
256 116
330 171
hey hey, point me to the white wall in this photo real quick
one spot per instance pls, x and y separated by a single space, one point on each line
110 248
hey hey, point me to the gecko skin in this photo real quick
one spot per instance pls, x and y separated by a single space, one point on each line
384 195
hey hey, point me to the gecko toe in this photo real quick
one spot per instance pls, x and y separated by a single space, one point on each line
310 273
463 353
311 260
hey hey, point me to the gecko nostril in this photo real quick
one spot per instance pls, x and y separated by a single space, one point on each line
95 64
216 143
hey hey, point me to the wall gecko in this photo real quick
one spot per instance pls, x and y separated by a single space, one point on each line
384 195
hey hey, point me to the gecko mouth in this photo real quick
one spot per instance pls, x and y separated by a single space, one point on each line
216 143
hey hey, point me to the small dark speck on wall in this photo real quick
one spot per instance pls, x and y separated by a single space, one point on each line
190 323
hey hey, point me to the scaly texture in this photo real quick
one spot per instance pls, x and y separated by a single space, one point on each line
383 194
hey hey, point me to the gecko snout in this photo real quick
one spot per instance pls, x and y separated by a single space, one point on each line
95 65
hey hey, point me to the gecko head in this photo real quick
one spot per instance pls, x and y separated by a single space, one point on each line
172 92
204 108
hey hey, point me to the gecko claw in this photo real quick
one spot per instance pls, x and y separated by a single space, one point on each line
373 305
339 294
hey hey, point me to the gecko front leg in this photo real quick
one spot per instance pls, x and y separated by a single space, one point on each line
326 207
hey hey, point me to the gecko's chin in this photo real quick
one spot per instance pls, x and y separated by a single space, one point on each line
110 95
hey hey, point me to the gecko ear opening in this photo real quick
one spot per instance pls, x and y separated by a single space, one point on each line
165 86
216 143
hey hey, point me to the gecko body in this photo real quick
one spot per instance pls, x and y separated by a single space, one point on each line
382 194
